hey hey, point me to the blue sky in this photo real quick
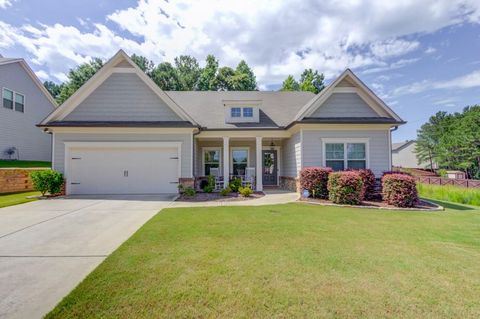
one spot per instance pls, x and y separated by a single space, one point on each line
419 56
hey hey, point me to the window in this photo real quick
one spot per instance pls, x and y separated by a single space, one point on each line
8 99
341 156
19 102
240 161
235 112
211 158
247 112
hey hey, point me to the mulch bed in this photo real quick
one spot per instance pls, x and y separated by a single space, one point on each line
216 197
421 205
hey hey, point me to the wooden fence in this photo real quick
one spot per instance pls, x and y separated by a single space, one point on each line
470 183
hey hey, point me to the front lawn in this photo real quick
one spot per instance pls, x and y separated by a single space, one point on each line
285 261
16 198
23 164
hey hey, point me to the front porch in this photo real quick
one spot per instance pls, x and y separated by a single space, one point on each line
257 159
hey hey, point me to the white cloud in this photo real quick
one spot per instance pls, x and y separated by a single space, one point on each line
430 50
276 38
6 3
42 75
462 82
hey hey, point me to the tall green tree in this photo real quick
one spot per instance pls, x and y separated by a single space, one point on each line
166 77
53 88
143 63
244 79
208 76
77 77
290 84
224 78
312 81
188 72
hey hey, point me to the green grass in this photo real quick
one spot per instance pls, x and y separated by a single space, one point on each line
23 164
462 195
289 261
16 198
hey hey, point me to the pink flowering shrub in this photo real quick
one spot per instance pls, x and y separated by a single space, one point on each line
315 179
345 187
368 180
399 190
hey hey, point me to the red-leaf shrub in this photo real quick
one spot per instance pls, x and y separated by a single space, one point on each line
368 180
315 179
399 190
345 187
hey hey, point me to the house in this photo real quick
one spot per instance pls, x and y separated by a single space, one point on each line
25 102
121 134
404 156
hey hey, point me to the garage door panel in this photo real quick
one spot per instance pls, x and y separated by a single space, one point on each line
130 170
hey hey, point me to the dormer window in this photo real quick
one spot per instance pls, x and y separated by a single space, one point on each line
248 112
235 112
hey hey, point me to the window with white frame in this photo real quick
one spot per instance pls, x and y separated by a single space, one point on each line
248 112
239 161
235 112
211 159
341 156
13 100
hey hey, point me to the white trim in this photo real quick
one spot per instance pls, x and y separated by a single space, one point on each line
259 163
212 148
245 134
192 149
389 132
279 163
345 141
123 70
226 155
236 148
122 130
53 151
94 144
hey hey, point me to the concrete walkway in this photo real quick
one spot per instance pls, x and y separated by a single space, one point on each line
272 197
47 247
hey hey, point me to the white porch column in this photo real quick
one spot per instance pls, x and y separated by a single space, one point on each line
259 164
226 161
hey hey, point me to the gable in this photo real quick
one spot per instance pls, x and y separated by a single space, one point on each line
344 105
123 97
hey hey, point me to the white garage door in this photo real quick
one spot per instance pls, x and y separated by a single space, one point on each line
122 170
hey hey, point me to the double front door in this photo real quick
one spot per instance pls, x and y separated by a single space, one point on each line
270 167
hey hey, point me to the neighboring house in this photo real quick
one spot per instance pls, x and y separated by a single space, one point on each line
404 156
25 102
120 133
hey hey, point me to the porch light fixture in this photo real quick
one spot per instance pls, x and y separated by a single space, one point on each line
272 146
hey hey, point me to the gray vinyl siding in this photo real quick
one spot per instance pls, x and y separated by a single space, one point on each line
18 129
344 105
378 147
185 139
123 97
291 156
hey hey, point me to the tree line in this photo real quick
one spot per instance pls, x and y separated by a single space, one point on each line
185 74
452 141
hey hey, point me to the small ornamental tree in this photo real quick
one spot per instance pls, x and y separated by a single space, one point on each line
399 190
47 181
368 180
314 180
345 188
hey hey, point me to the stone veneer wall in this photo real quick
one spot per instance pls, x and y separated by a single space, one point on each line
187 182
16 179
290 183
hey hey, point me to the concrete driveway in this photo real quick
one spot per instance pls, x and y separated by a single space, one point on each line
47 247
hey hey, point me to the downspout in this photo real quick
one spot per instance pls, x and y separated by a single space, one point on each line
194 152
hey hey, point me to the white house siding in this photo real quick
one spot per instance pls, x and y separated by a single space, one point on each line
185 139
292 156
18 129
378 146
344 105
406 157
123 97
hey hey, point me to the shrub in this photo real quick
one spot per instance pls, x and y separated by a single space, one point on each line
315 180
368 180
442 172
225 191
399 190
245 191
47 181
189 191
235 184
345 187
210 184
